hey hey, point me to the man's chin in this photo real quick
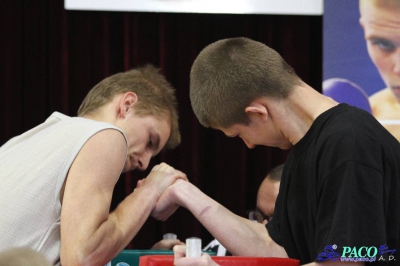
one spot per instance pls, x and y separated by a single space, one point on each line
127 169
396 92
124 171
284 146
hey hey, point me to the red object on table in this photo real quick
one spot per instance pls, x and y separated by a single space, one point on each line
168 260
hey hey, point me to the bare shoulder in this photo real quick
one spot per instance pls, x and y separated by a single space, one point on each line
109 137
101 158
379 96
99 161
382 102
108 142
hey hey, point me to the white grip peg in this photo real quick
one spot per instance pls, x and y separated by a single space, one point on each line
193 247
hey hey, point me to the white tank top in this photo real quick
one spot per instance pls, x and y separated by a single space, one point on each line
33 167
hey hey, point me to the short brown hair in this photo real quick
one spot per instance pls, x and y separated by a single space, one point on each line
155 94
229 74
275 174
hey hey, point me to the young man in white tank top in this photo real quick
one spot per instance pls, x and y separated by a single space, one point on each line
58 178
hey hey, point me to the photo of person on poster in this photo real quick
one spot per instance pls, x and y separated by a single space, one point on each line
380 21
362 51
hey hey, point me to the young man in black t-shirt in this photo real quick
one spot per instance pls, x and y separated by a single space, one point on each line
339 199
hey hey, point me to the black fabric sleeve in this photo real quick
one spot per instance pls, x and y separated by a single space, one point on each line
273 230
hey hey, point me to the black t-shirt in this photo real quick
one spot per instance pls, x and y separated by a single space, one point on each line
340 191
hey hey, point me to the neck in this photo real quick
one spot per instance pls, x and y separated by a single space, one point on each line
103 114
108 113
298 112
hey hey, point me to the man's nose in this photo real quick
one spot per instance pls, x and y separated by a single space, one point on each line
144 161
396 58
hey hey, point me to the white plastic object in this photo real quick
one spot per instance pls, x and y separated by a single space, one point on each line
169 236
193 247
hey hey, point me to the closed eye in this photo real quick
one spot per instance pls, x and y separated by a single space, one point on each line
154 142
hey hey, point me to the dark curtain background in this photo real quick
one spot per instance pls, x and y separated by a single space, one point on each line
50 58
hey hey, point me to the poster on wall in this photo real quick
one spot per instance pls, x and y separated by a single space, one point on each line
361 51
293 7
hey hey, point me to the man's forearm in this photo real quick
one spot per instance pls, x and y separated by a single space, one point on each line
115 233
131 214
240 236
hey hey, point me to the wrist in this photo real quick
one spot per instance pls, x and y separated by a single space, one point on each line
183 192
149 193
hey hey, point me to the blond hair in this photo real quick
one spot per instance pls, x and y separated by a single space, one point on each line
156 96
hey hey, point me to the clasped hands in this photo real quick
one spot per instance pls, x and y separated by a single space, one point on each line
166 180
169 182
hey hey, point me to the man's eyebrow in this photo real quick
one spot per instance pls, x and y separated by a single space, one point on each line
374 37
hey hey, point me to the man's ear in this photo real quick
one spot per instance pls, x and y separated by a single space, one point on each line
128 100
361 23
257 109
